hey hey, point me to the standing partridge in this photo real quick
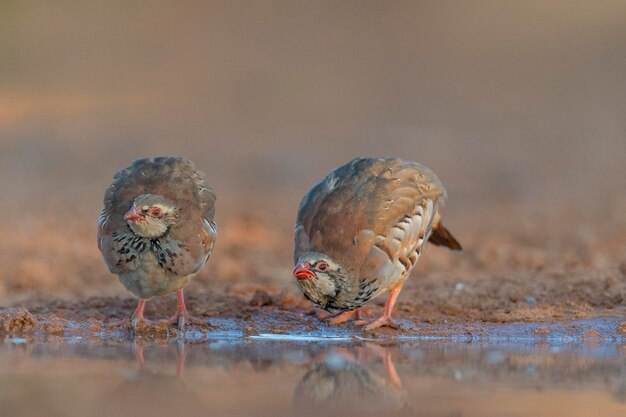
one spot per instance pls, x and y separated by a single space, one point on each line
157 229
360 231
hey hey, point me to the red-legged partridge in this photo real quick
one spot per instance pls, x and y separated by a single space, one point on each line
157 229
361 230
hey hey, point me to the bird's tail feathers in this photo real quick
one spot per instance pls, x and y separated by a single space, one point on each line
440 236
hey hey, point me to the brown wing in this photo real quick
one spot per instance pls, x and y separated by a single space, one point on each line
365 197
190 255
178 180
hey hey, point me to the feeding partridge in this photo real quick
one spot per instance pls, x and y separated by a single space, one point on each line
344 380
361 230
157 229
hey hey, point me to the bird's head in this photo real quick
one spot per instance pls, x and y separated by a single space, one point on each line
151 215
318 273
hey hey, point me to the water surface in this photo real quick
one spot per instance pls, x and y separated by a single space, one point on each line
284 375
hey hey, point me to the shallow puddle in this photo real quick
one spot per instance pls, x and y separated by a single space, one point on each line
304 374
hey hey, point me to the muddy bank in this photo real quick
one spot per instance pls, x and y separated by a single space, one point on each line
256 312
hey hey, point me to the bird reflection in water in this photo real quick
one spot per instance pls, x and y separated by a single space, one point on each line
342 379
151 391
138 349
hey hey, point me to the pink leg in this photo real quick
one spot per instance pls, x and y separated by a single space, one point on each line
139 310
135 320
180 317
385 319
182 309
137 317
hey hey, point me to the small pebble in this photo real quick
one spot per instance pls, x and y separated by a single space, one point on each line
531 300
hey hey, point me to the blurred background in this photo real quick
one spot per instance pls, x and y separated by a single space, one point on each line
519 107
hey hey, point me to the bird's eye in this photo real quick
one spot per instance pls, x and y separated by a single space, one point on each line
155 212
322 266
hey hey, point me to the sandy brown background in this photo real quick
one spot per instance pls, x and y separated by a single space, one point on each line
518 106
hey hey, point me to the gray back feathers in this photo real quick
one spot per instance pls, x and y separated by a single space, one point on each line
365 194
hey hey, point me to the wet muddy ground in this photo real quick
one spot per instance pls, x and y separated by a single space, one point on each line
287 314
263 352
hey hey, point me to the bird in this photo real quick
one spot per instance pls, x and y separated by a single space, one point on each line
344 380
157 229
360 231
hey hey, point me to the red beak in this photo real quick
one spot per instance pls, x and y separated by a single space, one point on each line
133 215
302 271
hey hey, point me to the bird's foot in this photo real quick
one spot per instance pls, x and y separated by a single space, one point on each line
141 325
340 318
182 319
133 324
118 323
384 320
335 319
363 312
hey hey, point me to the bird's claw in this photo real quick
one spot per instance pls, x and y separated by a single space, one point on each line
132 324
363 312
140 325
347 315
118 323
384 320
181 320
340 318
